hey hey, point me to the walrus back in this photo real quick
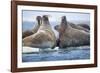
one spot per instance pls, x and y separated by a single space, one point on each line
74 37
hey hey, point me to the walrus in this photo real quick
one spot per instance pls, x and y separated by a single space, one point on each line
43 38
34 30
69 36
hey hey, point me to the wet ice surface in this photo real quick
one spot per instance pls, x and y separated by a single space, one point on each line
57 54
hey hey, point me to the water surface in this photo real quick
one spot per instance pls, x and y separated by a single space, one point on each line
73 53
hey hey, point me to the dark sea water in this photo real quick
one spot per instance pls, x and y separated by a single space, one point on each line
74 53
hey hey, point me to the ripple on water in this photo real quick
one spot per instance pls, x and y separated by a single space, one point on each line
70 53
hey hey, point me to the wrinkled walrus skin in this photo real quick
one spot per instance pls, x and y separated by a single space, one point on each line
44 38
34 30
69 36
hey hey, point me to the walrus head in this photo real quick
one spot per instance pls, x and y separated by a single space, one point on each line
39 20
62 26
63 22
45 19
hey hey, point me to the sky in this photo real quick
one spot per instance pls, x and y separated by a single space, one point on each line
30 15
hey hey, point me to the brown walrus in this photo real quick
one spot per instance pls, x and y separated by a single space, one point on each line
44 38
34 30
69 36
